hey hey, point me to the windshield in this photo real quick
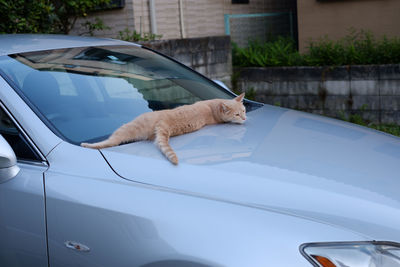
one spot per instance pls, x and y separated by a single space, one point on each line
85 94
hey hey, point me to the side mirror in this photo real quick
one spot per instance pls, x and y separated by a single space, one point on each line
8 161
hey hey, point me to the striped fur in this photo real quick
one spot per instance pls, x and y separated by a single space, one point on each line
161 125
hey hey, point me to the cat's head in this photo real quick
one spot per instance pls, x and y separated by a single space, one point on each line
233 110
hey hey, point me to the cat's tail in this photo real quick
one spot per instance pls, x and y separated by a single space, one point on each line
161 140
115 139
102 144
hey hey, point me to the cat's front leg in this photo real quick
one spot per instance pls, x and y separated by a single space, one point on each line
161 140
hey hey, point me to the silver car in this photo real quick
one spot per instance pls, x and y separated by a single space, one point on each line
286 188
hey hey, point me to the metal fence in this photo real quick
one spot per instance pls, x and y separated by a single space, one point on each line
261 26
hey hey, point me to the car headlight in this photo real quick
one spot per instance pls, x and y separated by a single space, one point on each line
352 254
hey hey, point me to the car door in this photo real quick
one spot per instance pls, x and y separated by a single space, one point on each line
23 240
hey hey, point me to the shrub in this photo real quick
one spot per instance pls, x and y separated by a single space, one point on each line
21 16
134 36
358 47
390 128
281 52
44 16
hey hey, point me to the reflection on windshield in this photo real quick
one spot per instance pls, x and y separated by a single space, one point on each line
84 94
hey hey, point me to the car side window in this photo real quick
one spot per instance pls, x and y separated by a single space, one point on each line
15 138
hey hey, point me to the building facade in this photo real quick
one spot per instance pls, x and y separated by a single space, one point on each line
180 18
334 18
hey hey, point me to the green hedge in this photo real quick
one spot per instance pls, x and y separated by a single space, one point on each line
357 48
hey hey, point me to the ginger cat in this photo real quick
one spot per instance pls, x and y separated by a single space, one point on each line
161 125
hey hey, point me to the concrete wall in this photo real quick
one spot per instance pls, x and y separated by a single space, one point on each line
334 18
211 56
371 91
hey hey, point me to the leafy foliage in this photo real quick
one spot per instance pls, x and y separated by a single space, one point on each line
44 16
390 128
68 11
20 16
281 52
358 47
91 27
134 36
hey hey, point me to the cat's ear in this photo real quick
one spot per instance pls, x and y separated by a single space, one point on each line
240 97
223 108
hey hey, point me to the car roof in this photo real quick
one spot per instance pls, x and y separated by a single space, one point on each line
19 43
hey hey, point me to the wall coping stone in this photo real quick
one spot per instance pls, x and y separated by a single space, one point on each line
305 73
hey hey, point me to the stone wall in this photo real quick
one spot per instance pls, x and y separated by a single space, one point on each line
371 91
211 56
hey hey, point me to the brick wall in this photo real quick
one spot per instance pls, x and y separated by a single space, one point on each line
370 91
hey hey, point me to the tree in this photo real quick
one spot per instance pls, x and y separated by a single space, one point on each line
20 16
68 11
44 16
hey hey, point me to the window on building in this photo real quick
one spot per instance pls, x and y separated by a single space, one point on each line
240 1
113 4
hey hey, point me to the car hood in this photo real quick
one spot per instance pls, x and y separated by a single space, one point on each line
284 161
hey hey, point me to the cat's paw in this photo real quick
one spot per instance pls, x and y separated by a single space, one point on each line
174 160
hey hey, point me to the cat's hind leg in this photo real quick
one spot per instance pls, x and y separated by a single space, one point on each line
161 140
